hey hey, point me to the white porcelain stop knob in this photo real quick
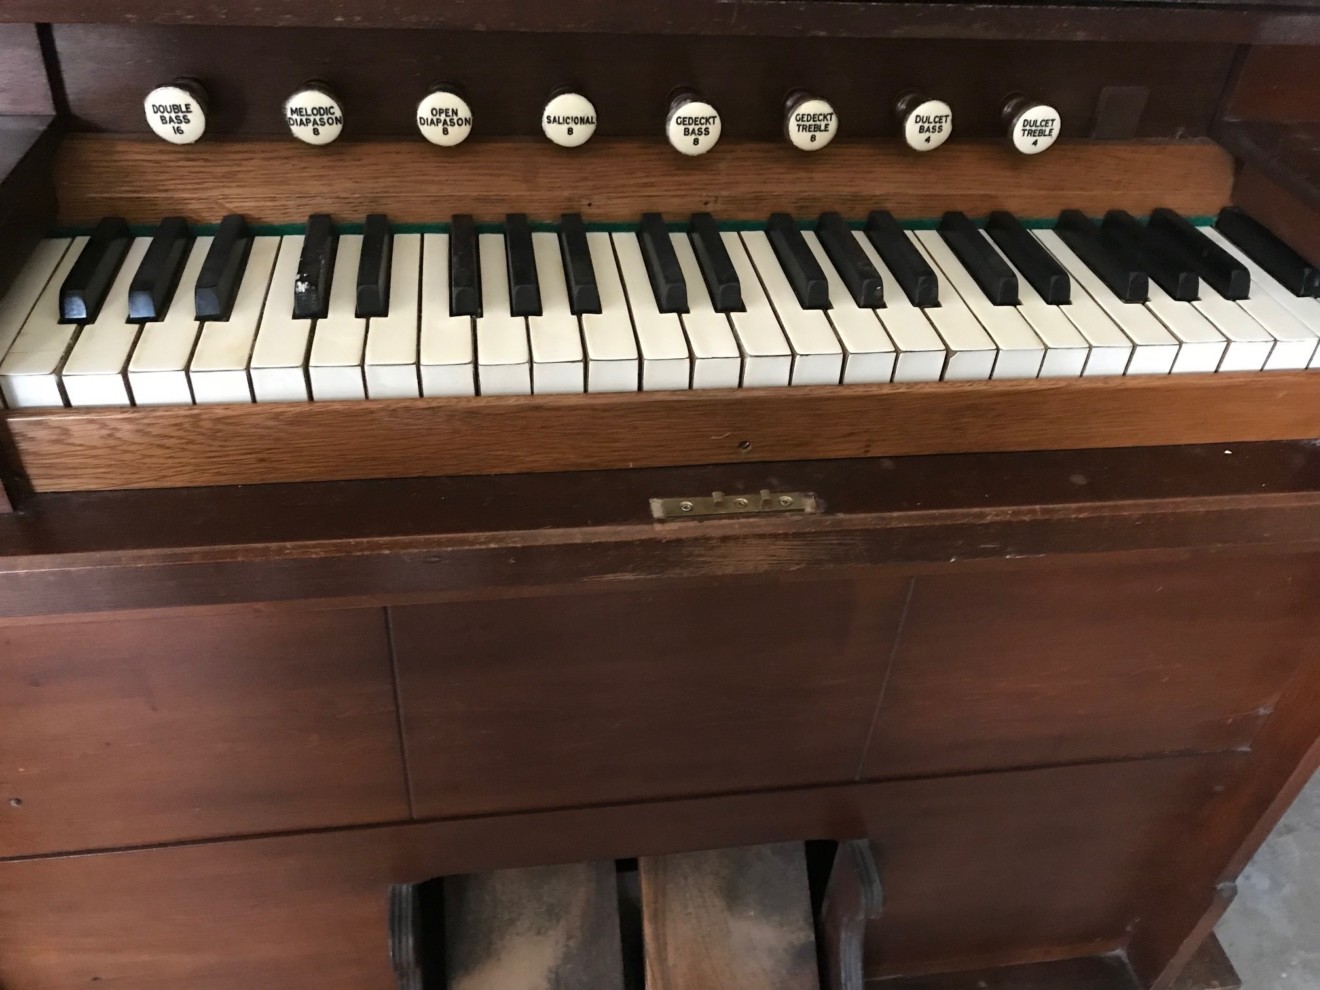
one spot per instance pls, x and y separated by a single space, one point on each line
176 112
569 119
444 117
925 123
692 125
1032 126
314 115
810 122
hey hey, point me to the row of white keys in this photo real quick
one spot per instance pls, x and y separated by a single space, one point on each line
1067 351
26 291
446 352
504 364
921 352
279 357
767 357
611 346
868 351
219 367
391 354
817 354
158 370
716 360
1294 321
1201 347
556 338
93 373
666 363
334 363
972 352
29 374
1021 353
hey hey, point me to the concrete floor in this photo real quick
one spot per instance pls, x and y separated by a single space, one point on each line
1272 931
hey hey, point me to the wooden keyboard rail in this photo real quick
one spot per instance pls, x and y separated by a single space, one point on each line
171 447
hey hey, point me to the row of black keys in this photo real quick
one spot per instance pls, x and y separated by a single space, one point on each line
1121 250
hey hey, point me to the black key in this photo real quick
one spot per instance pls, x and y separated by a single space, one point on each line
157 277
524 287
1163 260
799 264
914 275
373 274
662 265
1280 262
316 266
1112 263
88 281
716 266
579 272
1224 273
464 268
222 271
1029 256
855 269
992 274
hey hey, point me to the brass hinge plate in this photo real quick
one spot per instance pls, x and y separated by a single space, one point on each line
719 505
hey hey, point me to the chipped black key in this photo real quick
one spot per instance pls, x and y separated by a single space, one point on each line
524 286
855 269
1111 261
373 274
991 272
1161 260
222 270
1280 261
662 265
579 272
316 265
910 269
88 281
464 268
716 266
799 264
1030 258
1221 271
157 277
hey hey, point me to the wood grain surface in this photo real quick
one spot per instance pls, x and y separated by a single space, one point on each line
539 928
83 450
278 181
738 919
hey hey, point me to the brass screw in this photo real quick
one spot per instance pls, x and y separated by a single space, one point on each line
685 506
785 501
740 503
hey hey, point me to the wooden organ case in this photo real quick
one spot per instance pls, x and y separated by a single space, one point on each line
1050 646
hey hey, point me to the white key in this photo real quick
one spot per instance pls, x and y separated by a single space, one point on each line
26 289
447 347
158 370
612 357
279 358
972 352
1066 348
868 351
93 373
716 359
1202 346
556 338
1249 343
391 356
817 353
1293 321
665 360
921 352
219 367
767 357
1021 353
1111 349
334 364
1154 349
28 373
504 361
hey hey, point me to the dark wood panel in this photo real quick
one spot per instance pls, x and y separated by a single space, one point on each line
24 87
1121 661
1290 215
132 731
380 75
1272 85
27 192
967 883
413 182
650 692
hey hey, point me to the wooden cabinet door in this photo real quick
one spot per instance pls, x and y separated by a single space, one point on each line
655 691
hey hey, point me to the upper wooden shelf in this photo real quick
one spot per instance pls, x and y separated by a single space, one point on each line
1233 21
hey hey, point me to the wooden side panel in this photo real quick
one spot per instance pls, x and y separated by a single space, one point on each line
1125 660
1292 217
1273 84
976 872
594 697
140 730
24 87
